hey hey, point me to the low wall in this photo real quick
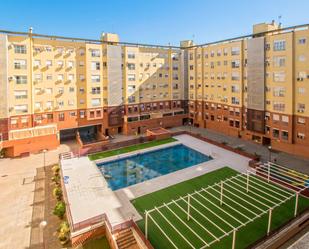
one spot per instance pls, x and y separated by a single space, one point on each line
15 148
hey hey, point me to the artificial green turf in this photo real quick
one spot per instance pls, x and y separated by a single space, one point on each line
100 243
109 153
245 236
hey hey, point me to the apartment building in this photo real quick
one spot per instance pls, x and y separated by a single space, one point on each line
254 87
54 87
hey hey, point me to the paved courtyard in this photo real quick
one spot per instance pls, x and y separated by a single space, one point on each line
16 196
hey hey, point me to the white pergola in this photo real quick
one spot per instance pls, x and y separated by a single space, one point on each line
262 189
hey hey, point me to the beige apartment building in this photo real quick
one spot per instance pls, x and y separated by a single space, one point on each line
53 88
254 87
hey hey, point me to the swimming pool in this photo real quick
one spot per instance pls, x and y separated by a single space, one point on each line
142 167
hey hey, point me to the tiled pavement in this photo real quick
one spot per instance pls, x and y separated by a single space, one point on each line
294 162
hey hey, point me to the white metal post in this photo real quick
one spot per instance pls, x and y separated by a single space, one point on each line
221 194
146 225
296 204
188 210
234 239
248 175
268 177
269 220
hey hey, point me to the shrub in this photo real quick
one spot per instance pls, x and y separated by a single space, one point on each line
239 148
64 232
56 179
57 193
56 169
59 209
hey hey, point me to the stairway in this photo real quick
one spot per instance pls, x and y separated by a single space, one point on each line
66 155
125 239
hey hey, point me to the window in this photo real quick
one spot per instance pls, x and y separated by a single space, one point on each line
20 49
21 108
131 99
96 90
279 61
37 63
70 102
48 49
20 94
60 77
279 45
71 77
96 102
301 107
131 89
235 64
302 41
276 117
70 64
131 77
301 90
285 119
235 76
49 77
95 65
131 55
235 51
235 88
82 52
300 135
60 64
49 63
20 64
285 135
21 79
302 58
275 133
279 106
95 78
279 76
71 89
301 120
131 66
38 105
60 103
235 100
279 91
95 53
82 77
61 116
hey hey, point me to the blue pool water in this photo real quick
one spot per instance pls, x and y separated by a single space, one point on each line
139 168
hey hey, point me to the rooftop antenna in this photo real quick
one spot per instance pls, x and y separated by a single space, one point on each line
279 20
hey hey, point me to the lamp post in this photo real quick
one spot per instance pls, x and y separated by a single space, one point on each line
269 153
190 126
42 225
44 158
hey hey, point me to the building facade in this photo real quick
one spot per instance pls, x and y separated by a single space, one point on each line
52 88
254 87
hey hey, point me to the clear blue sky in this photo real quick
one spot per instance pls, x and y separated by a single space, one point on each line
149 21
